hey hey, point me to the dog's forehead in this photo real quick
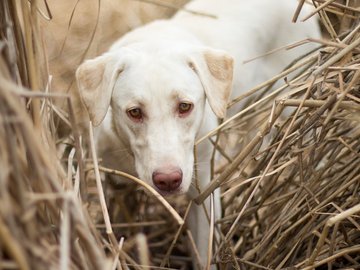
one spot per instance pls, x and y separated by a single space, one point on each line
160 66
159 76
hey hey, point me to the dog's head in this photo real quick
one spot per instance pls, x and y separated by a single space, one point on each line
157 102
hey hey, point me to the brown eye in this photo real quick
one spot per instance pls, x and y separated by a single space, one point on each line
135 114
185 108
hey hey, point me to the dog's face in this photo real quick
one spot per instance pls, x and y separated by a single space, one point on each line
157 105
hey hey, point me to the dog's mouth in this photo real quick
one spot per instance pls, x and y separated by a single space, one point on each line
169 193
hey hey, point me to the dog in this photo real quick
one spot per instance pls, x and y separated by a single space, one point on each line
162 86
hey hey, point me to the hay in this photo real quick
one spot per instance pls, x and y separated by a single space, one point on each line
295 202
290 193
42 223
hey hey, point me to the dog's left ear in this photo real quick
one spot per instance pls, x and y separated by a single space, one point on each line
215 70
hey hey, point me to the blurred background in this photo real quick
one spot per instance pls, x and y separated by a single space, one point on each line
85 29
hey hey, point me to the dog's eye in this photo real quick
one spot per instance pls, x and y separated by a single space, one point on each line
135 114
185 108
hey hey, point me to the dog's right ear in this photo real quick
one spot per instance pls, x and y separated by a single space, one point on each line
96 79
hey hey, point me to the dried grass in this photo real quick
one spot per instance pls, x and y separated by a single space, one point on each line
290 193
42 222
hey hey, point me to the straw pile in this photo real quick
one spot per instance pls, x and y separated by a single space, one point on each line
296 201
42 223
290 194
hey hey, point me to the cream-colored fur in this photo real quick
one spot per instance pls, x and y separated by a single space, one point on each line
188 59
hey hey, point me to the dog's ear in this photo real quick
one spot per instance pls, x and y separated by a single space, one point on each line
215 70
96 79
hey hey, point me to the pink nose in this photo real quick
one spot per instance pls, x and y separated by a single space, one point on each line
167 179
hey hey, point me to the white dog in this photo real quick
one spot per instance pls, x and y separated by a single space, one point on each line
163 85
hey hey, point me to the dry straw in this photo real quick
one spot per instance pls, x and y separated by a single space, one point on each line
42 222
290 195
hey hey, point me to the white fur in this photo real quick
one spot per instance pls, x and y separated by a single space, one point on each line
186 58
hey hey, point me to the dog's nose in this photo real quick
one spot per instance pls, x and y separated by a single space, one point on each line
167 179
